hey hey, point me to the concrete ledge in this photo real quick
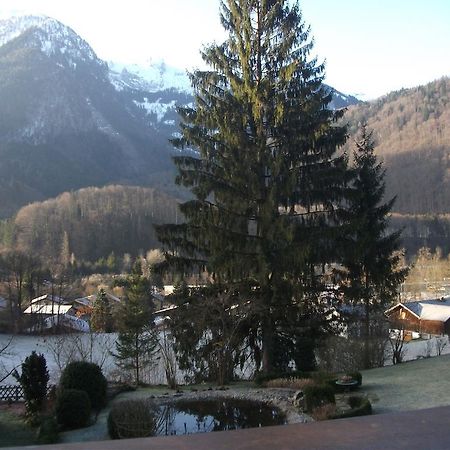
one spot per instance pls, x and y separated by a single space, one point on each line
412 430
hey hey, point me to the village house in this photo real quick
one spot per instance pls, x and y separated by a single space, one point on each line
50 311
426 317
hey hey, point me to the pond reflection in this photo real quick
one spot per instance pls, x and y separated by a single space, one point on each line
202 416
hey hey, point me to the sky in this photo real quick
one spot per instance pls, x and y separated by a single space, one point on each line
371 47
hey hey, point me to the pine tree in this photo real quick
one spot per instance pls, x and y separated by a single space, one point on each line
371 254
267 178
137 340
101 318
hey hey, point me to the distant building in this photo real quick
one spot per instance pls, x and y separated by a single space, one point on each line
53 311
423 316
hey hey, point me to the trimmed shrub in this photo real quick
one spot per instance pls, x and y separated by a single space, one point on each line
87 377
48 431
361 406
73 408
132 419
318 395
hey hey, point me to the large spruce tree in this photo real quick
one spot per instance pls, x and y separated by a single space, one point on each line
266 179
371 256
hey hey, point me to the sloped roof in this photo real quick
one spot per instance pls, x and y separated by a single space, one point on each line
90 299
433 309
47 309
49 298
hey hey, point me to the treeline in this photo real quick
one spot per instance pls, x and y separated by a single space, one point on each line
420 231
90 224
412 133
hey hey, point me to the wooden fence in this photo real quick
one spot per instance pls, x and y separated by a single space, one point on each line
14 392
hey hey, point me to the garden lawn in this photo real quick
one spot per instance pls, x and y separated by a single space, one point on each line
408 386
13 430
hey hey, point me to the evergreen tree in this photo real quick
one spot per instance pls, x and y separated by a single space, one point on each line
267 179
34 379
101 318
371 255
137 340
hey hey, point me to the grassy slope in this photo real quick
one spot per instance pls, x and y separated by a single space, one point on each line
409 386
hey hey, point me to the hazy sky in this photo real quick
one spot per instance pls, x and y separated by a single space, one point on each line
371 46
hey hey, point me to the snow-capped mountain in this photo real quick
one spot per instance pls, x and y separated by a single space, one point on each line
158 88
51 36
151 77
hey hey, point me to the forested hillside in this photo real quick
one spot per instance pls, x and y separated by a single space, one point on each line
91 223
412 132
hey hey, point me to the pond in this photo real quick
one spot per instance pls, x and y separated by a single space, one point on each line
145 417
202 416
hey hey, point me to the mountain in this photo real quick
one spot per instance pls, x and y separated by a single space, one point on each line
63 125
70 120
412 131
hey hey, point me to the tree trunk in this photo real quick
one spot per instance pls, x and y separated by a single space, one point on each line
367 359
267 344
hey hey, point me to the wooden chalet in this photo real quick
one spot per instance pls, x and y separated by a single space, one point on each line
423 316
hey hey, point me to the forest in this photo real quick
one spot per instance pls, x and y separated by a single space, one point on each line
412 136
90 224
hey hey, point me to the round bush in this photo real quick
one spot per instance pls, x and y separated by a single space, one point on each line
73 408
87 377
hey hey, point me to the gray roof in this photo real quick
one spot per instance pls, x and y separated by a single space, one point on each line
433 309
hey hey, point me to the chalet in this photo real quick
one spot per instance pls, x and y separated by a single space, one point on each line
53 311
47 304
423 316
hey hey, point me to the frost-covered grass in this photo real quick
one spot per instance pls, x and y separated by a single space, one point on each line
13 430
409 386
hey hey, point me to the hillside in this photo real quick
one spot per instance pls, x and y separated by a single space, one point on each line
91 223
412 132
63 125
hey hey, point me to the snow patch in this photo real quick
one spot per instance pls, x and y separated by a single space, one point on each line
152 76
157 108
